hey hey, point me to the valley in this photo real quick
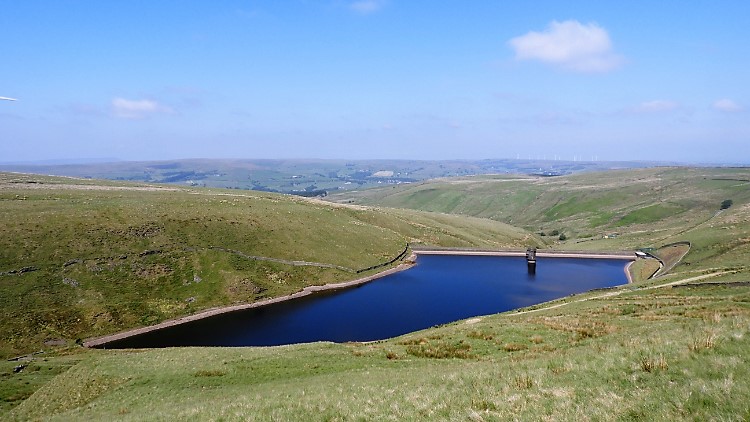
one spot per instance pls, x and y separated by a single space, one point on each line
83 257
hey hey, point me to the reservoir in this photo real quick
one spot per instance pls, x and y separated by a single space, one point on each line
438 290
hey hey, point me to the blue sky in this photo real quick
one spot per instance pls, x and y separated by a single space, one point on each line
143 80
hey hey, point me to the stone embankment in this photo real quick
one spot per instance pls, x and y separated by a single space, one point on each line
522 253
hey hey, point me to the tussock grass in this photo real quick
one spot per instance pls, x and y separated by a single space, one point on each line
210 373
441 350
536 339
480 335
514 347
651 363
703 342
523 382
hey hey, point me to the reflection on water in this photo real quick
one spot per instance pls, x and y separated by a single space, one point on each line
440 289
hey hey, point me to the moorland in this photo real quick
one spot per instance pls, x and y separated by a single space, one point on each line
82 258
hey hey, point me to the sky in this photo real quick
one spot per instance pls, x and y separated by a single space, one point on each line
366 79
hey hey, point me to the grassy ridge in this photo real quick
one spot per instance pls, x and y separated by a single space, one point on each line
80 259
581 204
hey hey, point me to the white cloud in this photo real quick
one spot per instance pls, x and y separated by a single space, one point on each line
137 109
366 7
571 45
656 106
727 105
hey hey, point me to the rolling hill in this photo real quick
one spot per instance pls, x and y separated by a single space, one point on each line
606 210
312 177
100 256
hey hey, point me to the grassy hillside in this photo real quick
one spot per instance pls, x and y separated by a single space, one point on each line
670 348
86 258
632 208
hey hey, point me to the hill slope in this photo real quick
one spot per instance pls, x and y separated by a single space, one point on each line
632 208
82 258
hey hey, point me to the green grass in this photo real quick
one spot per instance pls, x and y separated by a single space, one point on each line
15 387
650 214
577 205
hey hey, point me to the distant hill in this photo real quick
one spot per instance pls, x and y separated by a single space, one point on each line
308 177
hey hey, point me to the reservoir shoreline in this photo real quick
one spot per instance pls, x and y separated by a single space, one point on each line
103 340
406 264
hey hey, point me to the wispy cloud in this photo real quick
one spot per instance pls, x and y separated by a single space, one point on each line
727 105
366 7
570 45
656 106
137 109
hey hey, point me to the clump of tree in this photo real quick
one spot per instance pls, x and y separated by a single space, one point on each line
311 193
563 237
552 233
726 204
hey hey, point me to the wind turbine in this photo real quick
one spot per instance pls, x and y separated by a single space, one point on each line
8 99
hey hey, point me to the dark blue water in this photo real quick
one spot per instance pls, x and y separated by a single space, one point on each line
440 289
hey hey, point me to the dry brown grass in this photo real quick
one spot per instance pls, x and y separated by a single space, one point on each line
654 363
